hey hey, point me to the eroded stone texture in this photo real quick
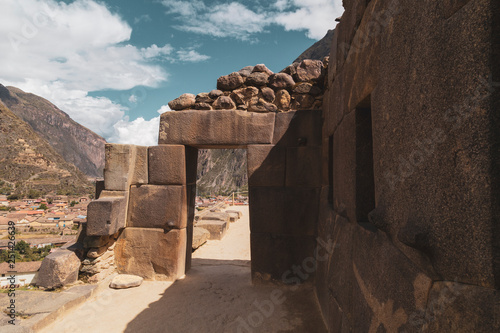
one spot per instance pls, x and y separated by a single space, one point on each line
257 79
184 101
262 68
106 216
224 103
200 237
216 228
220 128
230 82
283 99
246 71
151 253
157 206
281 81
125 165
58 269
309 70
167 165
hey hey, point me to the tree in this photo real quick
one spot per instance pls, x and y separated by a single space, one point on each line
73 203
13 196
22 247
43 206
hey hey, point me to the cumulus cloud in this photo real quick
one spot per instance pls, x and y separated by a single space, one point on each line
139 131
154 51
50 49
236 20
314 16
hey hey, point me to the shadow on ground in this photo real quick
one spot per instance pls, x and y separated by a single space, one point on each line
218 296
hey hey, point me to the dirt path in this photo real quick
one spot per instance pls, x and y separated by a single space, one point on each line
216 296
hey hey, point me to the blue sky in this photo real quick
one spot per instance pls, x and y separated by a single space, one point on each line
113 65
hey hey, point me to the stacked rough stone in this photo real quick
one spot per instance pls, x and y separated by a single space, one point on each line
299 86
100 259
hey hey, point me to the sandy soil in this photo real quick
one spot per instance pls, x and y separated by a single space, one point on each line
215 296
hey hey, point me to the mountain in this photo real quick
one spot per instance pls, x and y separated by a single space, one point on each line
75 143
222 171
29 164
318 50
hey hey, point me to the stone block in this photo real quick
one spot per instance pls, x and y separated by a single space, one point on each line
200 237
157 206
240 214
371 295
303 166
215 216
266 165
125 165
216 228
233 217
219 128
58 269
152 253
281 210
167 165
106 216
456 307
282 258
298 128
125 281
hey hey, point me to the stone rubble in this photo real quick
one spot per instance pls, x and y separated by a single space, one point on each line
299 86
125 281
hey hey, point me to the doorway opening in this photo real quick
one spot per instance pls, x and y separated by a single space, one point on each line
221 229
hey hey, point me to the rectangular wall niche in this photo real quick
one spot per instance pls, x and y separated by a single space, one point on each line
365 183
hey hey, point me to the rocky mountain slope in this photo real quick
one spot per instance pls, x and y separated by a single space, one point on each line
75 143
221 171
318 50
28 163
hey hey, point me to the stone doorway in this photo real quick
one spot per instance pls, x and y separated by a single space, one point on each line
148 199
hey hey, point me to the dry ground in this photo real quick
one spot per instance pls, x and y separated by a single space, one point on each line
215 296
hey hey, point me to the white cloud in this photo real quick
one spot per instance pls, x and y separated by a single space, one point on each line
191 56
221 20
132 99
236 20
154 51
163 109
139 131
315 16
64 51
